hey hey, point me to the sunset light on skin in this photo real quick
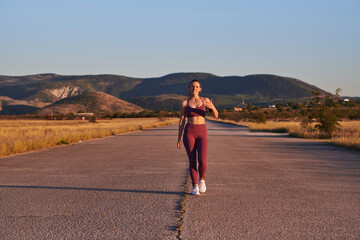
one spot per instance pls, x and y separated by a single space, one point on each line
314 41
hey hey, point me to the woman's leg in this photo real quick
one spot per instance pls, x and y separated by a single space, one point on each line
202 148
190 146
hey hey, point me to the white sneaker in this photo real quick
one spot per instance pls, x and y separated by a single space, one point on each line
202 186
196 190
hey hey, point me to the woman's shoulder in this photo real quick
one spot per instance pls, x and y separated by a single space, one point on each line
205 99
184 103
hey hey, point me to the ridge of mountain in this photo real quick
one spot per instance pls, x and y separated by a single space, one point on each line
95 102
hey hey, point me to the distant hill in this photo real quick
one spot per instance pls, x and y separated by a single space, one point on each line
225 91
267 86
9 106
167 102
95 102
52 87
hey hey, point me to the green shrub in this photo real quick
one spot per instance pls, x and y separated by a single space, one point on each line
328 120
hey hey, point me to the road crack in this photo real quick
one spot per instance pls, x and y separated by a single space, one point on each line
182 209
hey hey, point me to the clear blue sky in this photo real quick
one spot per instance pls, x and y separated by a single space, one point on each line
315 41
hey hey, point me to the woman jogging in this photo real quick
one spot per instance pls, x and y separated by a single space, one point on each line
195 133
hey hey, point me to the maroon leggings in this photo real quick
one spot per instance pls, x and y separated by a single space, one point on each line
195 140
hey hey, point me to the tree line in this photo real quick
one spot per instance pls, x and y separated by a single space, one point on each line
324 110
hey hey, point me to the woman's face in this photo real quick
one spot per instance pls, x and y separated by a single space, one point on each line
195 88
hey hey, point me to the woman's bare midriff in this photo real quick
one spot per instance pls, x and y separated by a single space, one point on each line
196 120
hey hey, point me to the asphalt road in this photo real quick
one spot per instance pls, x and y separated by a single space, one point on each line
131 186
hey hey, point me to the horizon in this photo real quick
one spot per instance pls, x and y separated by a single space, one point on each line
315 42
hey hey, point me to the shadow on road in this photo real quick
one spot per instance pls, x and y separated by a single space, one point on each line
316 146
93 189
252 136
160 129
211 133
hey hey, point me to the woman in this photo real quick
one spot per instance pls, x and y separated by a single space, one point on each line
195 134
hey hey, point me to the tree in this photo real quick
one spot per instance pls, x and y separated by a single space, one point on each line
316 101
326 114
337 94
260 117
257 108
250 106
280 107
329 101
328 120
298 106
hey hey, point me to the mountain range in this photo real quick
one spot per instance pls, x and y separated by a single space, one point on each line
161 93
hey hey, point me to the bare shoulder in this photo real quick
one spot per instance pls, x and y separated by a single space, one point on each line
184 103
206 100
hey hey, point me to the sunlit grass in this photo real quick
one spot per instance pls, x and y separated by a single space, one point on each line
17 136
347 136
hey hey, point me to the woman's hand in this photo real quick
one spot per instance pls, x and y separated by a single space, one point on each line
209 104
179 144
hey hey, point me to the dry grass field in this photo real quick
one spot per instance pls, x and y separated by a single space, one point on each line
19 136
347 136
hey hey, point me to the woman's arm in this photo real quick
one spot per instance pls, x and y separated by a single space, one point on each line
181 123
209 104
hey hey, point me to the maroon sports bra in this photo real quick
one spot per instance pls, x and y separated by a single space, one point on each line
195 112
